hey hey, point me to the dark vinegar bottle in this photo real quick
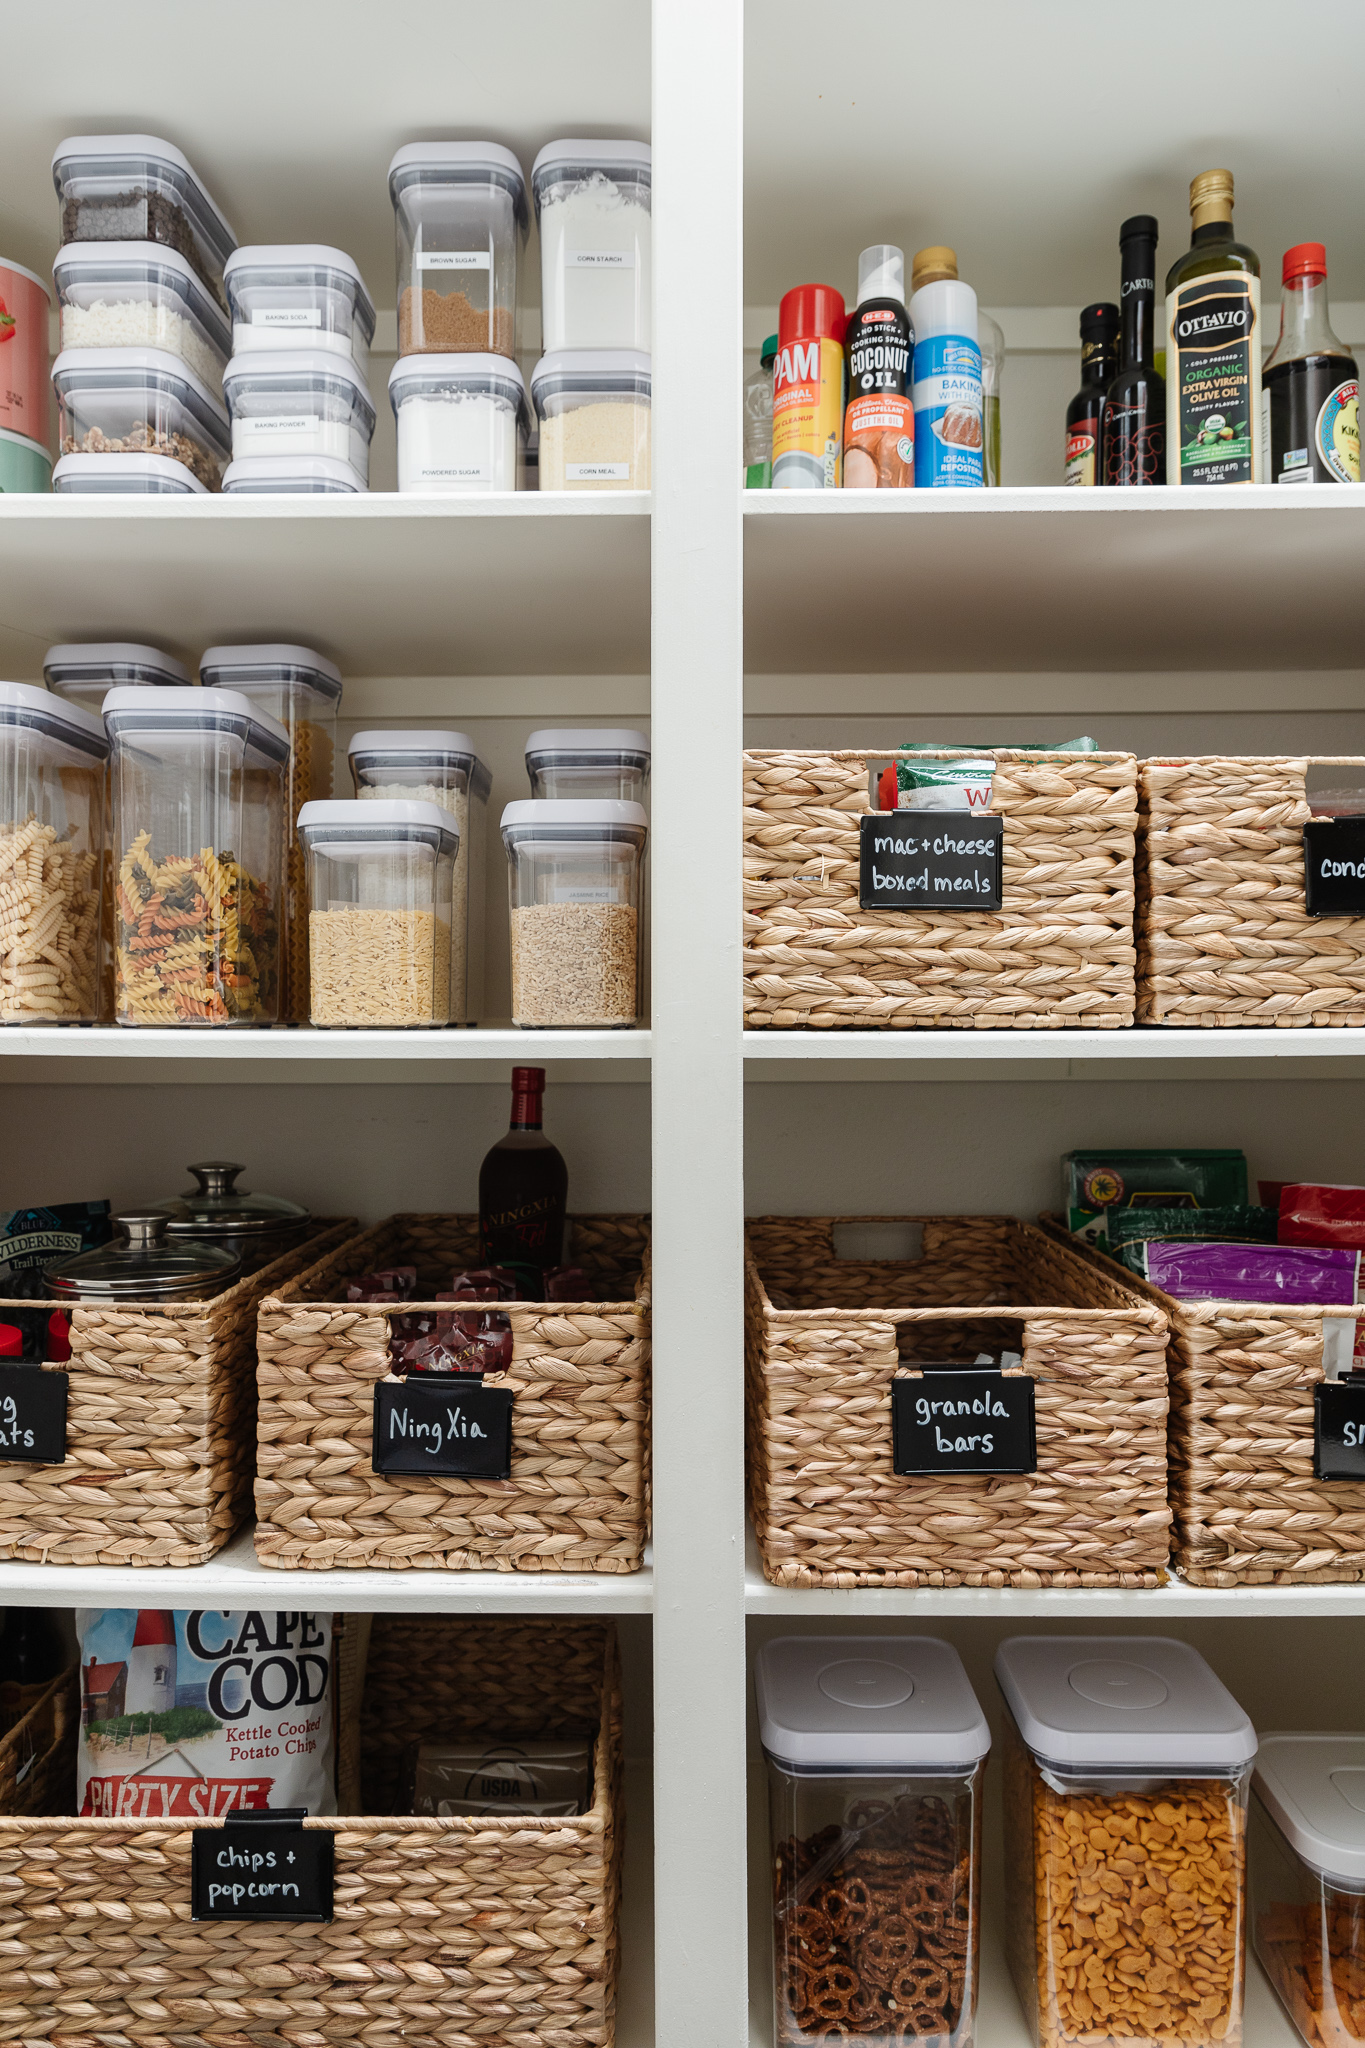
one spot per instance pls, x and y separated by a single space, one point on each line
523 1193
1133 437
1099 363
1310 386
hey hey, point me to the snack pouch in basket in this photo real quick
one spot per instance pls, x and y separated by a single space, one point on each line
187 1715
1095 1183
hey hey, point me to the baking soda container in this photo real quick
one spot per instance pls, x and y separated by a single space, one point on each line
948 402
808 390
24 389
879 425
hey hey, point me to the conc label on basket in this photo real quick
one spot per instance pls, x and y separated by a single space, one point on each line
970 1421
1339 1430
1334 867
262 1865
446 1423
32 1415
930 860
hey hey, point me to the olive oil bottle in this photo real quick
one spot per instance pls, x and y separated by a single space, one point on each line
1213 347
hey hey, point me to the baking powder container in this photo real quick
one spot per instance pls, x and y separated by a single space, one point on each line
299 402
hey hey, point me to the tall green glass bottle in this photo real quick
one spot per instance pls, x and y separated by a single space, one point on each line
1213 347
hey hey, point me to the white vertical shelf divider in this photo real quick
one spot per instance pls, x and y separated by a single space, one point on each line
698 1425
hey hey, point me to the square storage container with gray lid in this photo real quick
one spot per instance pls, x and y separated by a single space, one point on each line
124 476
122 294
1308 1880
139 188
876 1749
461 218
588 761
84 671
299 295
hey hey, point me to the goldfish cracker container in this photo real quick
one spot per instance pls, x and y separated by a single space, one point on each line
25 393
808 390
1308 1881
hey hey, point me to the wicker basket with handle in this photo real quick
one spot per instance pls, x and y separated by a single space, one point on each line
1059 951
827 1506
577 1498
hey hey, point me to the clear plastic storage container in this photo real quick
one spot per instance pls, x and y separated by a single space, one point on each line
129 476
379 931
300 402
439 768
461 422
292 476
1127 1768
876 1750
594 411
137 188
255 1228
133 295
52 758
573 872
1308 1881
140 401
85 671
461 219
593 206
588 762
299 295
198 828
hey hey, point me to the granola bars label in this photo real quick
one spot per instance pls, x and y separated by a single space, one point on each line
977 1420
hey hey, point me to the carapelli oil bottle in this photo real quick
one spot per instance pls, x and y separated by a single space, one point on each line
1213 347
808 390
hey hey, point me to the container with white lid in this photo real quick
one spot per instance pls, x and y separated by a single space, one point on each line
133 294
52 767
301 401
1308 1881
442 768
137 188
125 476
299 295
198 829
876 1749
594 410
461 218
140 401
379 927
1127 1768
574 874
292 476
593 205
84 671
461 421
591 761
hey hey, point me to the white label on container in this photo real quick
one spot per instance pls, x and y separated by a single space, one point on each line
567 892
597 472
457 472
286 316
600 259
280 423
453 259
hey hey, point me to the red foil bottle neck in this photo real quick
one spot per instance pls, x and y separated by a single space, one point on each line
528 1092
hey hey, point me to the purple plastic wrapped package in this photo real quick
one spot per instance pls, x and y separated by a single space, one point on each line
1294 1275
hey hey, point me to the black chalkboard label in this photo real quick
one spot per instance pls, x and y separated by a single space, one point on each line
971 1421
1334 867
446 1423
930 860
32 1415
262 1865
1339 1430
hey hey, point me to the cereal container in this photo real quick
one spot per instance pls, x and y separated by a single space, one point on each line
593 206
52 758
573 871
134 295
876 1750
1308 1881
137 188
588 762
461 219
299 295
199 780
379 929
24 389
1127 1768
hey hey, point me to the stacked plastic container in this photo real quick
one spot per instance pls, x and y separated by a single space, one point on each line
297 386
1308 1881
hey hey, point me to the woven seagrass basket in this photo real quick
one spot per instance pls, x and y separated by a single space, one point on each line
1224 937
1246 1508
577 1499
1059 951
448 1933
826 1505
160 1428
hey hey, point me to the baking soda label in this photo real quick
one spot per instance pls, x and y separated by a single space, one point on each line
808 415
948 412
286 316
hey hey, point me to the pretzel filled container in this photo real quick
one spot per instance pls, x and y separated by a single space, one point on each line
1127 1769
1308 1881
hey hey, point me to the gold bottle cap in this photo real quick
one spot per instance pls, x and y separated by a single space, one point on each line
931 265
1210 197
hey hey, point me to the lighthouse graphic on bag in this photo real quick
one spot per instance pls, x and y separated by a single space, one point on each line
151 1663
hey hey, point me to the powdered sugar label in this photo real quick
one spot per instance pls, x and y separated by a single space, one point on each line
455 472
600 259
454 259
286 316
597 472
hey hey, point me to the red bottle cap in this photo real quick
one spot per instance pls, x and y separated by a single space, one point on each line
58 1338
529 1080
11 1341
810 309
1305 259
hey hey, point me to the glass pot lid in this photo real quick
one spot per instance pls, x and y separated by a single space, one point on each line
141 1265
217 1207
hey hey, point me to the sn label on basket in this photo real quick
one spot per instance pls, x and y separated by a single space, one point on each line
262 1866
939 860
32 1415
1339 1430
976 1420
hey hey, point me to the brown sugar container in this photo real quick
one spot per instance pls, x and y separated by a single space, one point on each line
1308 1881
461 217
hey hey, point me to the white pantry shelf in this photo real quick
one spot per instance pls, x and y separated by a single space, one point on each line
297 1053
1140 1052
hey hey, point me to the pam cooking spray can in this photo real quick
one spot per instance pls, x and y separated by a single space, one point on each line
808 390
947 374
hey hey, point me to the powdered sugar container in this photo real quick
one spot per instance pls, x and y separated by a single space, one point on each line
593 206
379 928
135 295
299 295
594 409
461 422
574 881
1308 1881
461 219
300 402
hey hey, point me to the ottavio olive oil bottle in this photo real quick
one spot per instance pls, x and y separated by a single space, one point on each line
1213 347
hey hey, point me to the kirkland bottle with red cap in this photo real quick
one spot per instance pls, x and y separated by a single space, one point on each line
808 390
524 1193
1310 429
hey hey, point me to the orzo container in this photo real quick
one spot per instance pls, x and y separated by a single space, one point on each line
140 401
134 295
379 928
24 388
1308 1881
573 873
299 295
594 409
137 188
52 763
461 220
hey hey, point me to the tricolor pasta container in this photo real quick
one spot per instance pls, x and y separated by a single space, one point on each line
876 1750
461 219
52 759
1308 1881
1127 1770
300 402
135 295
140 401
299 295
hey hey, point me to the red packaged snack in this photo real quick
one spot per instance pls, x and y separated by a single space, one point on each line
888 791
450 1340
482 1283
1316 1212
391 1283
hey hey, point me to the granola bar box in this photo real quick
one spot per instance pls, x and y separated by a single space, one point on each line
1308 1881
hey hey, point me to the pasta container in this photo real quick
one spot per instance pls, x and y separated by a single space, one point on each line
292 476
136 476
593 208
137 188
299 295
1127 1769
134 295
300 402
461 422
24 388
594 410
461 219
199 779
379 878
140 401
573 873
255 1228
440 768
1308 1881
588 763
85 671
876 1750
25 466
52 758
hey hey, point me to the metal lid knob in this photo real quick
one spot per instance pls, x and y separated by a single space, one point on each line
216 1176
143 1228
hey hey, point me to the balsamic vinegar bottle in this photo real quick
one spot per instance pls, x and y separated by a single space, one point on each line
1310 427
1213 347
1099 364
1133 432
523 1193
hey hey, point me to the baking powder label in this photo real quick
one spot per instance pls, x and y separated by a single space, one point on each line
264 426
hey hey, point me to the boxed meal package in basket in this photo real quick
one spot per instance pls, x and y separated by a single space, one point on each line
379 1407
990 1412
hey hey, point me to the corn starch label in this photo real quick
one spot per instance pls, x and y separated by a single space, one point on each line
808 415
1213 382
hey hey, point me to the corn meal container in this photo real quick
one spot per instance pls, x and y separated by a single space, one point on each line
594 410
379 929
1308 1881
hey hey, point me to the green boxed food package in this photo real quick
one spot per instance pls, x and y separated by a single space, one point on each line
1093 1183
1131 1230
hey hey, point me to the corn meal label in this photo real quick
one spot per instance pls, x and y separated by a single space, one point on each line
1213 379
597 472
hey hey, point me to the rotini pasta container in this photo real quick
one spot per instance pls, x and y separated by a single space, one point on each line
198 795
52 760
1308 1881
1127 1770
379 924
876 1749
